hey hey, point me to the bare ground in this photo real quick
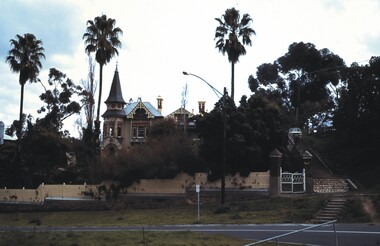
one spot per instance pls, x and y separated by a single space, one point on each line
370 209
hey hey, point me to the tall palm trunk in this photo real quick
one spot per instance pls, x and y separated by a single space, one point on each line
97 121
21 112
232 80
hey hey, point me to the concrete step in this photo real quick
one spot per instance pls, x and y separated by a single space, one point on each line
331 210
329 213
334 204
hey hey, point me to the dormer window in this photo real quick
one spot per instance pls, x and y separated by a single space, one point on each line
141 114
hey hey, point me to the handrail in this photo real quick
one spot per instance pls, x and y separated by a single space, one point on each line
315 153
297 231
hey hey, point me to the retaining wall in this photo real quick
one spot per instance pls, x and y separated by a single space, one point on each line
178 185
43 191
255 180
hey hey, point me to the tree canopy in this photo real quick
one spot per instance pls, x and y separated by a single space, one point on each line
25 58
301 77
58 100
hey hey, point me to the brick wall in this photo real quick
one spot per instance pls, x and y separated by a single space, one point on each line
178 185
51 191
255 180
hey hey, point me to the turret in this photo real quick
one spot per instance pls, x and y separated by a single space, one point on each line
115 101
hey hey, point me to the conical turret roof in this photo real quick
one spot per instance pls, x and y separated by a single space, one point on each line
115 95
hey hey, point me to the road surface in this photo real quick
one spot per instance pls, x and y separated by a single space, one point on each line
347 234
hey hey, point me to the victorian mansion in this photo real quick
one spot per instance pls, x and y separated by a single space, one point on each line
126 124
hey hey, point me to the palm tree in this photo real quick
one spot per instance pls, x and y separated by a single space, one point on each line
25 58
227 34
102 38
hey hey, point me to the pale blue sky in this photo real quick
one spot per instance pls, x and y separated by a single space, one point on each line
163 38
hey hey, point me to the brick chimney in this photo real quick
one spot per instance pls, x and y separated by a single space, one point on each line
201 105
159 103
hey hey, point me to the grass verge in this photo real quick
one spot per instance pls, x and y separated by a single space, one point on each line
259 211
116 238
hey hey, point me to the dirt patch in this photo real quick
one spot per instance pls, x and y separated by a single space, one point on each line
369 208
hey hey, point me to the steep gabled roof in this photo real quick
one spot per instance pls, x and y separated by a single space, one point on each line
131 108
180 111
115 95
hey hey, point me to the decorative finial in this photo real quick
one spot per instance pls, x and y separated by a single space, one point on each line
117 64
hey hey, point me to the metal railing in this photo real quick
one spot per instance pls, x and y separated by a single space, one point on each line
297 231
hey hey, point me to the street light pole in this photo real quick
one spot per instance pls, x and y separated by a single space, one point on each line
223 96
223 178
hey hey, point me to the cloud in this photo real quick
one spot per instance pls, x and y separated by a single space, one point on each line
163 38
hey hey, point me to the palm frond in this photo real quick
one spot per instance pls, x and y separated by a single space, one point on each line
220 21
235 28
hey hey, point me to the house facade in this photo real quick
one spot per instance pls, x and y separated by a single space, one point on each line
126 124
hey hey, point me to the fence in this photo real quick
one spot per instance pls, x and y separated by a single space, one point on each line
298 231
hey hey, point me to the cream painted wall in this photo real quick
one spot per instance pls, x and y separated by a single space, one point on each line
178 185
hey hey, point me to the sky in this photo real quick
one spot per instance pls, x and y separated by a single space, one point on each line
161 39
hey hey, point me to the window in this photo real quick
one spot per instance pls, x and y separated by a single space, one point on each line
111 129
139 132
119 130
140 114
134 132
105 131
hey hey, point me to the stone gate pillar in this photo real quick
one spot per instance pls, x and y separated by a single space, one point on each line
306 157
275 178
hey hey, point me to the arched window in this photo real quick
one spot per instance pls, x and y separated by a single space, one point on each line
140 114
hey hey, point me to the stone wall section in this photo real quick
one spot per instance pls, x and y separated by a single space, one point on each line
61 191
179 185
182 182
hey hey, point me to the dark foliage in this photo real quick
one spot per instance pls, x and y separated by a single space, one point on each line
167 153
301 77
58 100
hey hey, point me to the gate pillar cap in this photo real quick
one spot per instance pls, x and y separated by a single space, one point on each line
275 153
306 155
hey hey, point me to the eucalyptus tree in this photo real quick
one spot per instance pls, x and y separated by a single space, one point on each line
355 139
88 102
102 37
58 99
25 58
301 76
357 116
231 35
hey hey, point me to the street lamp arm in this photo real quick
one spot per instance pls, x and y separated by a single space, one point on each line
223 96
218 93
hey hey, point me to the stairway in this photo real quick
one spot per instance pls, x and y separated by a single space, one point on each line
330 185
331 210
